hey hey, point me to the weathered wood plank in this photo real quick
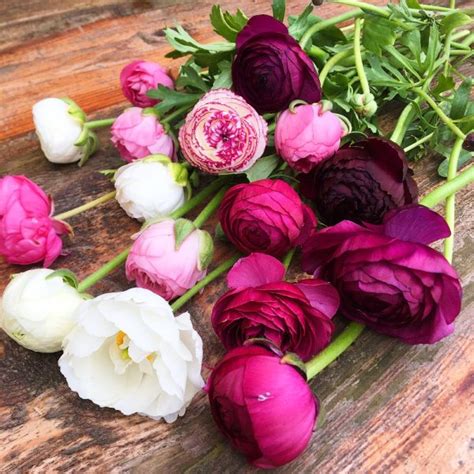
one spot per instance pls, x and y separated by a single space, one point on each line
387 407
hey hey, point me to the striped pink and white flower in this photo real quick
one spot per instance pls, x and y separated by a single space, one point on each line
223 134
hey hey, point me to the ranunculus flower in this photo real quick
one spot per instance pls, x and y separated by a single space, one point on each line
138 77
295 317
150 188
36 309
59 126
265 216
161 261
361 182
28 232
128 352
263 406
223 134
387 276
270 69
307 135
138 133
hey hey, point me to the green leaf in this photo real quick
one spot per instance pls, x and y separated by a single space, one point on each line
224 79
67 276
328 36
461 100
262 168
206 249
432 45
170 98
299 24
377 33
454 20
226 24
413 4
189 77
464 158
444 84
278 9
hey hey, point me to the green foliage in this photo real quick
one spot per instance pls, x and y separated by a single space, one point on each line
228 25
278 9
263 168
66 275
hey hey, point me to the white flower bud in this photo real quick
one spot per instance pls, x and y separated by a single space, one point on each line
36 311
150 188
60 128
128 352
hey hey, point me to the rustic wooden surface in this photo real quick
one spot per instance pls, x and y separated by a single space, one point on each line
386 407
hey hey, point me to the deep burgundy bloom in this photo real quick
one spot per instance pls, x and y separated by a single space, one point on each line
263 406
387 276
361 182
270 69
265 216
295 317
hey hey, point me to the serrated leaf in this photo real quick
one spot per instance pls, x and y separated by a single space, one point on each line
461 100
67 276
464 157
226 24
262 168
454 20
224 79
170 98
278 9
189 77
377 33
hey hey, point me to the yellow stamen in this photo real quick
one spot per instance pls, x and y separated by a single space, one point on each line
119 338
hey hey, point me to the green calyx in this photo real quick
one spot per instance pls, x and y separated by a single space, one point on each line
178 171
295 103
74 110
364 104
206 249
292 359
182 229
66 275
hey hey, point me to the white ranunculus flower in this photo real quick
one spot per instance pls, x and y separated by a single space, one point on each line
36 311
151 187
59 125
128 352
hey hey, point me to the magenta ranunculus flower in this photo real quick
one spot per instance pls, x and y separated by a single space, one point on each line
28 232
159 261
263 406
270 69
294 317
223 134
361 182
265 216
138 77
138 133
307 135
387 276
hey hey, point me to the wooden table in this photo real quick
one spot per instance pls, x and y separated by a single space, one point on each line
386 407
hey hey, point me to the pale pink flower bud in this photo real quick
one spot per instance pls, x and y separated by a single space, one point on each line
138 77
223 133
169 257
307 135
138 133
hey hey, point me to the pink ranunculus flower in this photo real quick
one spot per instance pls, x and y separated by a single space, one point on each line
223 133
28 233
138 133
138 77
159 262
262 405
307 135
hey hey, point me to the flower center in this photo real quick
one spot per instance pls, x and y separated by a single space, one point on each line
123 341
224 132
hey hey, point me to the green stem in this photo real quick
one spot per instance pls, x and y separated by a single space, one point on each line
449 123
210 208
326 23
450 208
110 266
419 142
366 7
435 8
99 123
175 114
334 350
447 51
223 267
271 127
448 188
103 271
288 258
332 62
364 83
461 34
402 124
85 207
317 53
452 3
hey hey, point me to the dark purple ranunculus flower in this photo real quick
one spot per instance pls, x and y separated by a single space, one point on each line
270 69
294 317
361 182
387 276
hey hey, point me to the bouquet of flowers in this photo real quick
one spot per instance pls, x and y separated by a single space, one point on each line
277 127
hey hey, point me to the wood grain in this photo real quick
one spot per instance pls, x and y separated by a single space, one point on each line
386 407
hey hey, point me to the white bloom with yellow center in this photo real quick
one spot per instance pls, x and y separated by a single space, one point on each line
129 352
